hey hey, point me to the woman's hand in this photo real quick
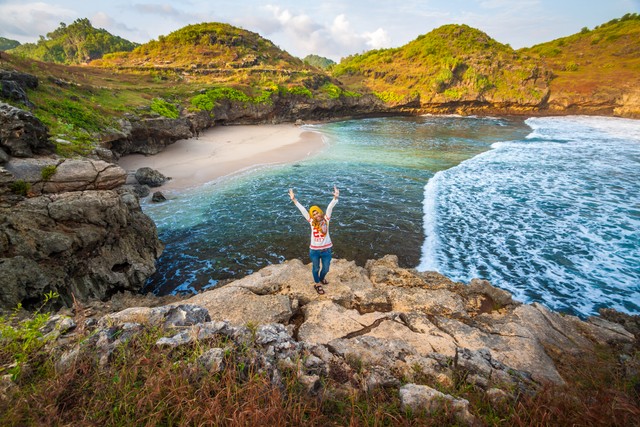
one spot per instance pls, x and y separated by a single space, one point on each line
292 194
336 192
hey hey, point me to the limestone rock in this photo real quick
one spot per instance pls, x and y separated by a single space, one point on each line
148 136
150 177
21 133
424 398
240 306
69 174
90 244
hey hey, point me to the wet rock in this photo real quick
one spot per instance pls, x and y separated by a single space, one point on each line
158 197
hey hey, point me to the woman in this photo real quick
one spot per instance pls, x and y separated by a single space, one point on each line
320 247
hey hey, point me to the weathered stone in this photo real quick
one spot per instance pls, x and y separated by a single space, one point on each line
212 360
158 197
186 315
21 133
89 244
424 398
148 136
240 306
69 175
150 177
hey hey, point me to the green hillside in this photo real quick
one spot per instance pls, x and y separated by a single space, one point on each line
451 63
594 65
208 46
319 61
77 43
6 44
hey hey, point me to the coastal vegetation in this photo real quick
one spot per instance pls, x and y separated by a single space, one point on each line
212 65
451 63
593 65
76 43
319 61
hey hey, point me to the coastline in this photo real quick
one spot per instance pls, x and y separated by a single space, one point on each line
223 151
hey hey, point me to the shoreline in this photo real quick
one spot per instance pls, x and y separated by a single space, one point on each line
224 151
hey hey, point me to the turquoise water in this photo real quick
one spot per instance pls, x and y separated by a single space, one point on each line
390 204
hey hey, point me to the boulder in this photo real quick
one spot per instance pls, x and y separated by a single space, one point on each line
150 177
420 398
68 174
22 134
13 85
158 197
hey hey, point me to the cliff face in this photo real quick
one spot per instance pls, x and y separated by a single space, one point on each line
65 225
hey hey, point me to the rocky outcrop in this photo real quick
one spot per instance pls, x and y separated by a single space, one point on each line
13 86
382 325
83 244
22 134
76 233
152 135
66 174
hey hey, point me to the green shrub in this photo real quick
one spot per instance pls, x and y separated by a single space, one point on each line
229 93
389 97
21 342
202 102
301 91
164 108
48 171
571 66
20 187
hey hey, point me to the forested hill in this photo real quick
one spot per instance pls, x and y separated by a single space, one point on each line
76 43
453 63
206 46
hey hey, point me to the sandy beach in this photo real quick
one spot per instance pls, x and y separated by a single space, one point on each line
226 150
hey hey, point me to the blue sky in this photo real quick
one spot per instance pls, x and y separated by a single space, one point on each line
329 28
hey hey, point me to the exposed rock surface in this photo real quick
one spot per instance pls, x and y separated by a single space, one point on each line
150 177
68 174
89 244
383 324
21 133
13 85
152 135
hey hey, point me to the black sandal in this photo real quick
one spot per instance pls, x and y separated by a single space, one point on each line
319 289
324 282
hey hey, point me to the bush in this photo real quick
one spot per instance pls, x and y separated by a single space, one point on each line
202 102
48 171
20 187
164 108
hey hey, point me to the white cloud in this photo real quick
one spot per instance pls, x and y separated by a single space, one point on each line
304 35
102 20
21 21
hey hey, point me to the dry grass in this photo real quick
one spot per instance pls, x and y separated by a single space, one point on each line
150 386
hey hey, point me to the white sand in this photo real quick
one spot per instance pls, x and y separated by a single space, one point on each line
225 150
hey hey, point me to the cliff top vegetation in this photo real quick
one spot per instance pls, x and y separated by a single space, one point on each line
76 43
450 63
594 61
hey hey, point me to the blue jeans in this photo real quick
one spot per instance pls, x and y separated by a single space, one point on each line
316 255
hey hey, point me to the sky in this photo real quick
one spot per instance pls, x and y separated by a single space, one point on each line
333 29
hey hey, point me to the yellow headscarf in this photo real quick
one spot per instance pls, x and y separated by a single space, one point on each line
317 225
